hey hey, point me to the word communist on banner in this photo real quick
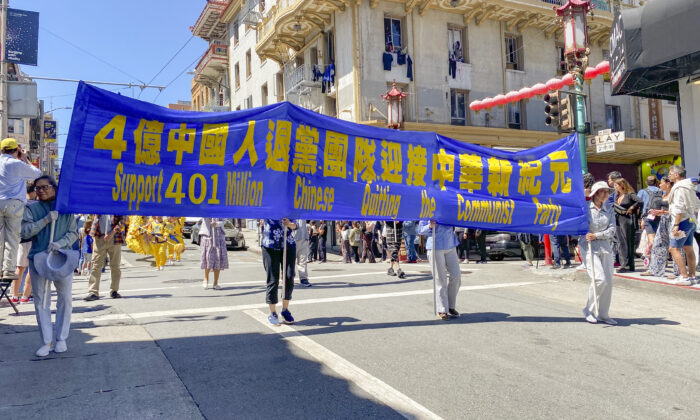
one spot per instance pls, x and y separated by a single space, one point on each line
124 156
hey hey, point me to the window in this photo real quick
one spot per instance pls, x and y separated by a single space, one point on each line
393 35
15 126
314 55
248 103
458 106
613 118
279 86
674 135
561 60
330 48
516 118
247 64
263 94
514 53
457 43
235 33
237 72
606 55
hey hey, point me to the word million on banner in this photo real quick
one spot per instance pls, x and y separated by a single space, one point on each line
124 156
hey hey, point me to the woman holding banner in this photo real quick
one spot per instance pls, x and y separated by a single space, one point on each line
443 260
213 249
597 252
274 247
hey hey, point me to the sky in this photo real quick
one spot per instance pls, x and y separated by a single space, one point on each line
125 41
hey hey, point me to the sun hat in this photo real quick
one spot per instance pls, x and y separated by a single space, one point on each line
56 265
8 143
600 185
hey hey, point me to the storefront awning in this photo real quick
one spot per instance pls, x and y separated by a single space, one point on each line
653 46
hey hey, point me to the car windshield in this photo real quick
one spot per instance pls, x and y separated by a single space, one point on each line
229 225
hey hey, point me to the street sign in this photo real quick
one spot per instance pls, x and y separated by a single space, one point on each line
605 147
606 139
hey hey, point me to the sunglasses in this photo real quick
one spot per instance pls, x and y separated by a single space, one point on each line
43 187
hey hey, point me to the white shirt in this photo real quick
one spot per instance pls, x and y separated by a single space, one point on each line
682 200
14 175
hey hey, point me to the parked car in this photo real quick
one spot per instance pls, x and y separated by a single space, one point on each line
234 237
503 244
189 223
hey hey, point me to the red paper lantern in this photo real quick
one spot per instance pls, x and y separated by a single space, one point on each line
590 73
475 106
487 103
540 89
500 99
526 93
512 96
554 84
603 67
568 79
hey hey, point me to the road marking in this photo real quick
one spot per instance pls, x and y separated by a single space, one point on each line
374 386
218 309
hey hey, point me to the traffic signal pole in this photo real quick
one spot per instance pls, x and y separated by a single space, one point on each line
580 117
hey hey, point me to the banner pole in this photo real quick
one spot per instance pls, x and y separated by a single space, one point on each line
595 292
284 261
434 274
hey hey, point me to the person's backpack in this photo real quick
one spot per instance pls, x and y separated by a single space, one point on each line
655 200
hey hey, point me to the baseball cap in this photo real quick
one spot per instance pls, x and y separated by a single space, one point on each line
694 180
8 143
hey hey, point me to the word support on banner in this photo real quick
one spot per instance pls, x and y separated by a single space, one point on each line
284 161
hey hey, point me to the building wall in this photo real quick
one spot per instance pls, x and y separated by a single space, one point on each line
690 115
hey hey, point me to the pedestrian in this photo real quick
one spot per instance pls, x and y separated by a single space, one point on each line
658 212
393 244
313 241
174 240
345 229
442 255
355 241
612 177
301 239
86 249
159 241
36 225
626 207
651 192
409 237
107 232
683 206
599 259
15 171
322 235
273 245
23 261
526 245
480 236
213 251
463 246
588 181
560 249
368 243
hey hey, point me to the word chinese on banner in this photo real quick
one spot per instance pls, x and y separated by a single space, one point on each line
283 161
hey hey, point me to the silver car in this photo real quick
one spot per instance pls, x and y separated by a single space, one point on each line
234 237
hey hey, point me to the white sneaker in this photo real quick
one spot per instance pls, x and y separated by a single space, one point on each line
681 281
589 316
60 347
205 284
217 287
609 321
44 350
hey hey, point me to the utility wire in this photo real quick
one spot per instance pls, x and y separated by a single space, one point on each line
189 66
168 63
93 55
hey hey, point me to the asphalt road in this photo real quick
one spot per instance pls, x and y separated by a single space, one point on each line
364 345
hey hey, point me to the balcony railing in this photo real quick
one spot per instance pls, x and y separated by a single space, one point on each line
602 5
214 61
302 76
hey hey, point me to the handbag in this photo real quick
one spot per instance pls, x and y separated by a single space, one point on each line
643 247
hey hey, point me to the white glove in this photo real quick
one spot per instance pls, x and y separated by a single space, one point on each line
53 215
53 246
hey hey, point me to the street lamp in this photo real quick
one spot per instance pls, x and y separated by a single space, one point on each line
573 17
56 109
394 97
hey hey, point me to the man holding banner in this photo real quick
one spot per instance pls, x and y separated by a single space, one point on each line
443 259
278 250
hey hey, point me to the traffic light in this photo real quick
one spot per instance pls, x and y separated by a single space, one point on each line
559 111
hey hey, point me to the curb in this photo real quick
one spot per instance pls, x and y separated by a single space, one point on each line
687 292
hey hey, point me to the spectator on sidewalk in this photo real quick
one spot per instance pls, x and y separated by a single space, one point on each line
683 206
23 261
214 254
480 237
15 171
36 225
627 206
107 232
301 238
313 241
443 259
647 195
368 242
86 250
560 249
345 229
355 241
658 209
273 243
322 235
409 237
464 245
599 262
526 244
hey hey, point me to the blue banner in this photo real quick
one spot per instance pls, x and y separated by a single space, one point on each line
124 156
22 37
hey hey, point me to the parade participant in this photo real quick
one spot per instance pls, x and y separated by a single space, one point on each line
214 255
683 205
322 235
367 241
36 225
15 171
179 238
345 230
107 232
393 242
443 259
597 252
273 245
86 249
137 237
174 240
156 230
301 238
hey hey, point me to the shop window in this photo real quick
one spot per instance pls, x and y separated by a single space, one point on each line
458 107
393 34
613 117
516 117
457 43
514 52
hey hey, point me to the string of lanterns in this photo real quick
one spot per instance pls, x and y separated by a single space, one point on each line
553 84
